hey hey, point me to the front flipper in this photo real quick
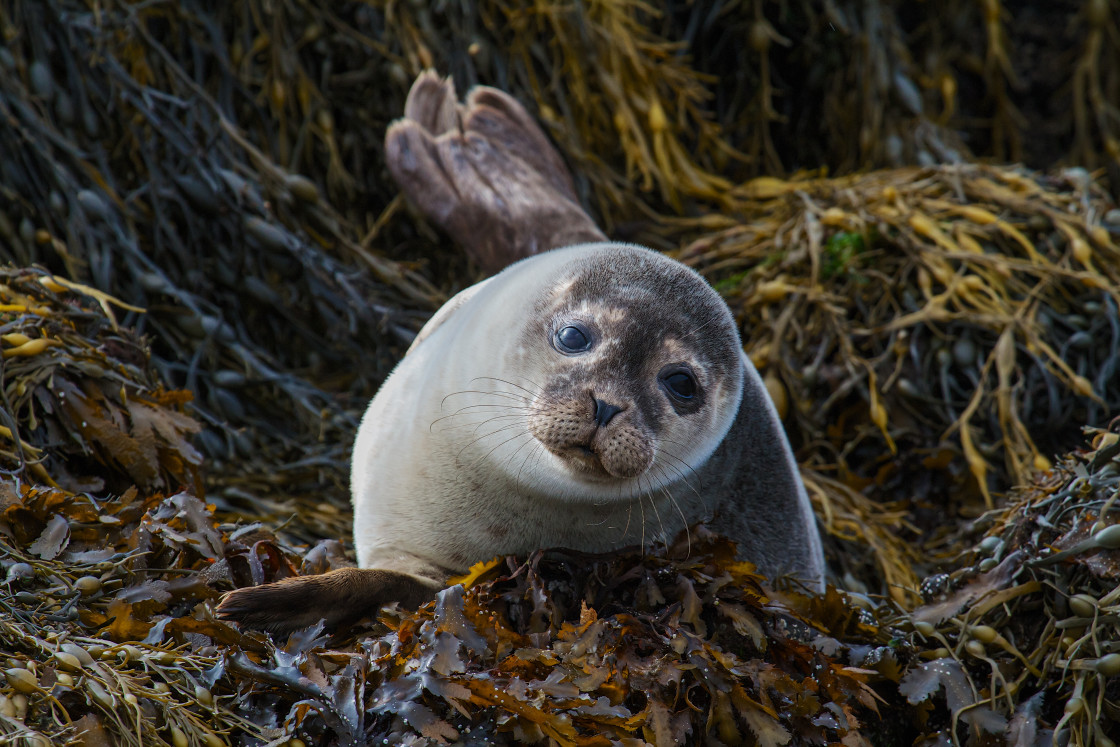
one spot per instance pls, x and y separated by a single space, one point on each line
340 597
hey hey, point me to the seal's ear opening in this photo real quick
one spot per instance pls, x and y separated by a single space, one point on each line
339 598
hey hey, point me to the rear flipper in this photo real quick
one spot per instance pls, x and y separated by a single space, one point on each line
486 173
340 598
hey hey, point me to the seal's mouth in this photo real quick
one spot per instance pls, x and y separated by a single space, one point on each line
584 460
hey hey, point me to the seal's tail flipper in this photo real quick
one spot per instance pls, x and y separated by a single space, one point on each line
486 173
340 597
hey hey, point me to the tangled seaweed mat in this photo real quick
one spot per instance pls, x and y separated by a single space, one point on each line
933 336
132 136
1021 638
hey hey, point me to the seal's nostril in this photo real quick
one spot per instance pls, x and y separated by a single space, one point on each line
604 412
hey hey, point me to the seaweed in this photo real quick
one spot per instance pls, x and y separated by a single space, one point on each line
968 341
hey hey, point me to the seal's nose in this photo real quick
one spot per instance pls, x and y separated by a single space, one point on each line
604 412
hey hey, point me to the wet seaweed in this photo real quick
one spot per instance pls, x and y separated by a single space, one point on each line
1019 631
957 323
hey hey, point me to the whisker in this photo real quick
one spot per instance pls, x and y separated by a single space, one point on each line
476 426
496 417
503 443
715 317
509 460
681 477
653 505
487 435
684 521
690 467
684 479
642 506
629 511
538 447
460 413
492 393
539 393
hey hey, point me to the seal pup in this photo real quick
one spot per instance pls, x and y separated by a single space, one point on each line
593 397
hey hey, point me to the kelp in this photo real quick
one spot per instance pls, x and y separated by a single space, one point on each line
1021 633
82 405
135 158
573 649
959 323
848 85
102 629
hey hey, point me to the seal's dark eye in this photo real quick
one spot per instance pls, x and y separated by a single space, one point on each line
680 383
573 339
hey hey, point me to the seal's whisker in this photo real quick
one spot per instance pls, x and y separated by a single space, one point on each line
642 506
540 389
509 459
539 393
533 453
676 504
647 493
697 490
653 505
461 413
499 406
681 477
629 512
600 522
542 454
503 443
686 464
492 393
474 427
516 416
713 318
488 435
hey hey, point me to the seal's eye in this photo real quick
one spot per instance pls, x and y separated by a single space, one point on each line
680 383
574 338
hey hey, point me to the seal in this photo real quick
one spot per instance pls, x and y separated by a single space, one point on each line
592 397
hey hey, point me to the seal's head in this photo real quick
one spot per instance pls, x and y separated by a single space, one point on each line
639 369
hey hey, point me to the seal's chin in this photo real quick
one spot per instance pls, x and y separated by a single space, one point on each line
575 474
584 462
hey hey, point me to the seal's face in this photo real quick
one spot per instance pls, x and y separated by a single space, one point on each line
639 371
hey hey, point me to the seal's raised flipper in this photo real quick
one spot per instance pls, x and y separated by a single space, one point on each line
340 597
485 173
